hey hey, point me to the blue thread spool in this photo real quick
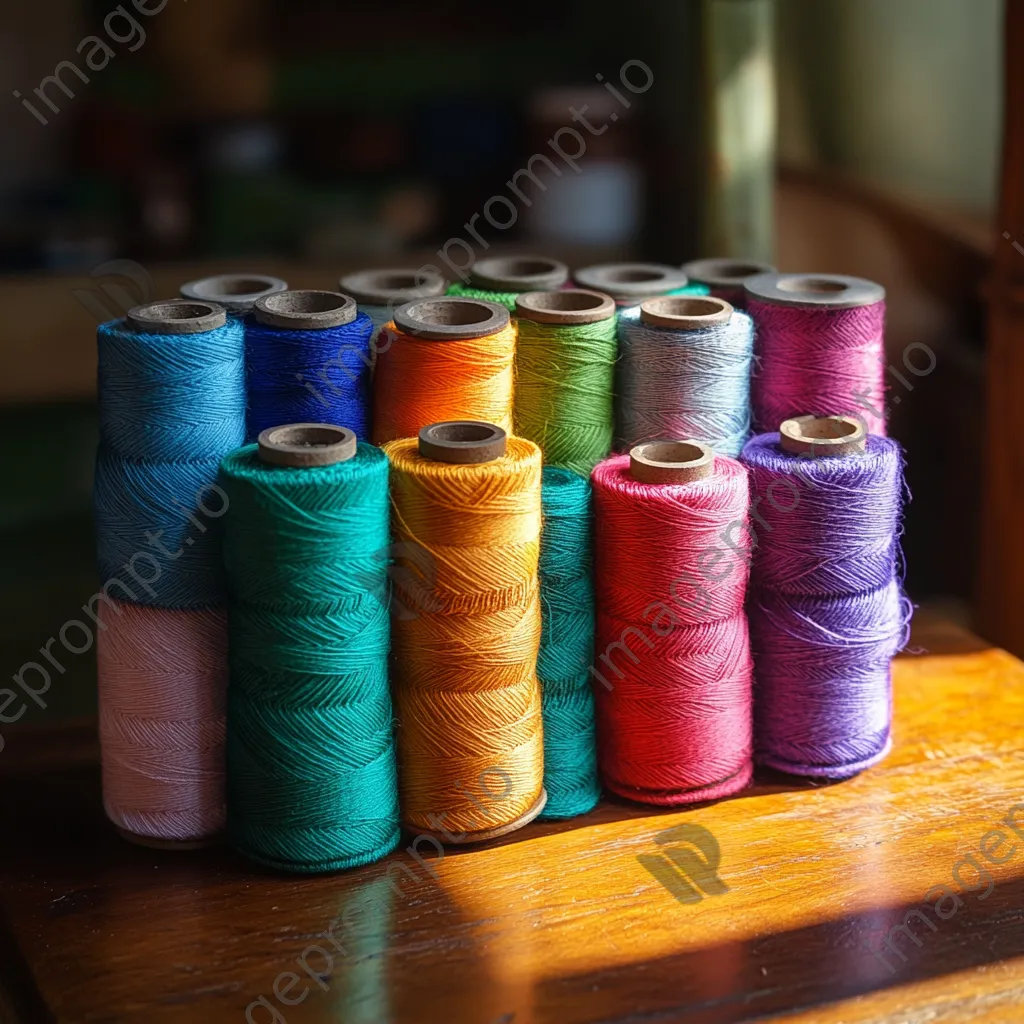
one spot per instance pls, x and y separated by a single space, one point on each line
308 360
172 403
684 371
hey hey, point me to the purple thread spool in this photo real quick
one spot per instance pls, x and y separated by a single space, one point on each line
827 613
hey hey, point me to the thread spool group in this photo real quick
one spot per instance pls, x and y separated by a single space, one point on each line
558 616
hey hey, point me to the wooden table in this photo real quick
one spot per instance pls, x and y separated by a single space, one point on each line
562 922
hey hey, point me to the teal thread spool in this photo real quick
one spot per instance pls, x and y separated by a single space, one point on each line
379 293
567 645
312 781
565 375
503 278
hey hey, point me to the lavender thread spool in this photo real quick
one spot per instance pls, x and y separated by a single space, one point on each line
827 612
684 371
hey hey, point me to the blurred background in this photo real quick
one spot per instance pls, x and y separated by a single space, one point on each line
162 141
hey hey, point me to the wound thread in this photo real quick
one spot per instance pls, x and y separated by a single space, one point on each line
162 681
465 638
672 670
311 766
309 376
685 383
827 614
565 380
419 381
567 645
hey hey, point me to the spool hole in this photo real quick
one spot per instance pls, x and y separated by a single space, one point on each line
812 285
302 436
683 305
515 267
396 282
465 433
179 310
452 313
571 301
304 302
674 452
628 275
740 270
242 285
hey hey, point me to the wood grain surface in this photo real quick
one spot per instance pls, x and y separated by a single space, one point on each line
562 922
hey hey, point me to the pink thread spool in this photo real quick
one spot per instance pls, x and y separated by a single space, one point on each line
162 685
821 346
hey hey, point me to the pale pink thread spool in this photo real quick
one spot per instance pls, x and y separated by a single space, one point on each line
162 685
820 346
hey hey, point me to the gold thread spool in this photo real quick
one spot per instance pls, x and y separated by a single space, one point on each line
470 443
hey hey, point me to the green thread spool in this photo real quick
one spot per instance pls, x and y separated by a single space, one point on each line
567 645
503 278
312 780
565 375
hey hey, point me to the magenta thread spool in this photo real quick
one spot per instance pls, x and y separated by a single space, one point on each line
726 278
826 608
821 347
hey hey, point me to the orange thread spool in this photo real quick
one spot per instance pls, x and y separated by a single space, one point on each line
466 518
443 359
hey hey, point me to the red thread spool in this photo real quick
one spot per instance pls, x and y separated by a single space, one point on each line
672 667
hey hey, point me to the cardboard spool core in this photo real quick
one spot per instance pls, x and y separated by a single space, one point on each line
724 273
488 833
518 274
450 318
177 316
671 462
306 444
235 292
828 291
571 306
624 281
392 286
685 312
823 435
462 442
305 310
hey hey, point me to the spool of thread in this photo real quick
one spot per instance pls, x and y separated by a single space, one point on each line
565 375
726 278
684 371
673 672
447 359
162 680
172 403
502 279
821 348
312 783
567 645
467 513
826 610
629 284
308 359
380 292
237 293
